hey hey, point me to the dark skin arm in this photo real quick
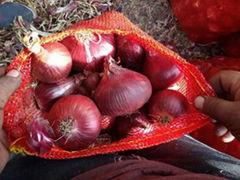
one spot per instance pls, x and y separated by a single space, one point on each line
8 84
226 111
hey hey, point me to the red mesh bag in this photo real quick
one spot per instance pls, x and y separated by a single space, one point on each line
219 63
21 108
207 20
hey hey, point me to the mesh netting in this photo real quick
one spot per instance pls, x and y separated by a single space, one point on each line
21 107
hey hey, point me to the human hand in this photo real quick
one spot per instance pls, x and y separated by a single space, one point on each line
226 108
8 84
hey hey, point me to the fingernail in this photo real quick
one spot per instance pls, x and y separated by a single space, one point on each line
198 102
228 138
13 73
221 131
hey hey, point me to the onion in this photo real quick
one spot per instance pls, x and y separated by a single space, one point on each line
121 91
40 136
47 94
130 125
91 81
83 91
160 70
51 62
130 53
166 105
88 50
75 120
107 122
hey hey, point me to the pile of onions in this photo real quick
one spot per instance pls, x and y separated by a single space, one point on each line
166 105
161 70
88 50
121 91
51 62
130 53
83 90
130 125
40 136
47 94
75 120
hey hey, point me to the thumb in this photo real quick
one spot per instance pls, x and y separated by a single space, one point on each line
226 112
8 84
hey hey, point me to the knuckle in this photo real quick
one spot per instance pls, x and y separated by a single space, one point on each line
211 106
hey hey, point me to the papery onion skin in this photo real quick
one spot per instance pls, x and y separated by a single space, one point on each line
52 64
121 91
166 105
88 50
130 125
161 71
76 122
131 53
107 122
83 91
92 80
47 94
40 136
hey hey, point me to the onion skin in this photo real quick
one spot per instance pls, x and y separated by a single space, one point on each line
47 94
89 50
130 125
75 120
107 122
92 81
121 91
40 136
130 53
160 70
52 64
166 105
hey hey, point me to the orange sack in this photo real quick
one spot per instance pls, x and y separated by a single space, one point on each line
21 108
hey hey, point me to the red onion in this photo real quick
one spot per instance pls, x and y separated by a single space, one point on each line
130 125
107 122
75 120
166 105
91 81
121 91
47 94
51 62
130 53
88 50
83 91
160 70
40 136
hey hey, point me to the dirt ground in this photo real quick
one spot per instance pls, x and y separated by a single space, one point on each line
152 16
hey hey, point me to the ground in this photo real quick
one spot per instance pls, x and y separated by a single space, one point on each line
153 16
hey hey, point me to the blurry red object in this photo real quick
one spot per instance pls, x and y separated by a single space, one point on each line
212 66
231 44
206 20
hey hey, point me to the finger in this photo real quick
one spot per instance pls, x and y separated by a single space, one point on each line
226 112
8 84
2 70
4 156
227 138
3 138
227 82
221 130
